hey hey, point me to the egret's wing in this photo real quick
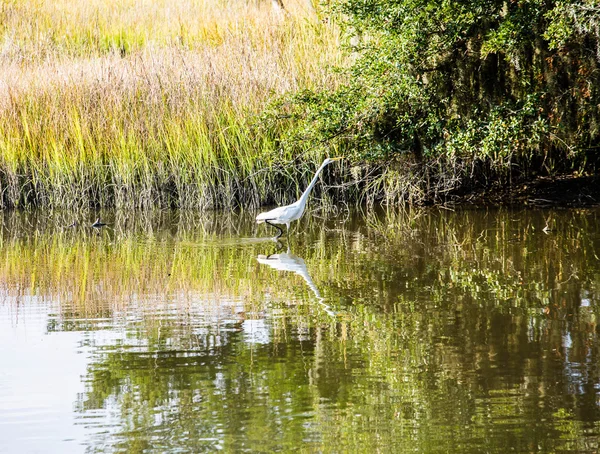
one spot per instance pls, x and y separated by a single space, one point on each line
279 214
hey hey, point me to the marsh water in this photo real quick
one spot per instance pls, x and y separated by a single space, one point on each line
431 331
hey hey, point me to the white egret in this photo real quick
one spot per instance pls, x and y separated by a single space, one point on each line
293 212
291 262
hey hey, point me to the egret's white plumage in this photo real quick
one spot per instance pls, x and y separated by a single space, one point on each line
293 212
291 262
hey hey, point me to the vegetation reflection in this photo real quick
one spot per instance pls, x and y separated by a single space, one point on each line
429 331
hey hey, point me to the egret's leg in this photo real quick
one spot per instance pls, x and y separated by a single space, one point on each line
279 248
277 227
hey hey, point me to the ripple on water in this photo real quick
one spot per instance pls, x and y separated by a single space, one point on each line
449 332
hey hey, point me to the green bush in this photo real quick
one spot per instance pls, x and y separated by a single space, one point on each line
512 88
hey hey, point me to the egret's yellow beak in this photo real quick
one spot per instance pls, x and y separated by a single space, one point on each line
337 159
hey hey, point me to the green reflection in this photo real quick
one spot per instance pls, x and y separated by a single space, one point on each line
470 331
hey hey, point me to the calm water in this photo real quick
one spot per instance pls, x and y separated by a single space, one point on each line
438 331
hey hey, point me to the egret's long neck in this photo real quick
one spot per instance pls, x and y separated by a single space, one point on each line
306 193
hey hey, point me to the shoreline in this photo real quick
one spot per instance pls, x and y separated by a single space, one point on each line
562 191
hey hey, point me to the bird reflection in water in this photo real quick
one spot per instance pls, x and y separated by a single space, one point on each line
291 262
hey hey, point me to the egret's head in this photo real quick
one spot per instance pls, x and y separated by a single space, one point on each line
328 160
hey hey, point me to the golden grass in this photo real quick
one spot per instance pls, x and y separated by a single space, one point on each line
142 104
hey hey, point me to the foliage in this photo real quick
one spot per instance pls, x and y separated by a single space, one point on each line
508 87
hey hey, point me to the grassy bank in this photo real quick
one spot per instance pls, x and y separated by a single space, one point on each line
141 104
147 104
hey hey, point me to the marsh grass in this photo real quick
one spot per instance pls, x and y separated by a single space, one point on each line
146 104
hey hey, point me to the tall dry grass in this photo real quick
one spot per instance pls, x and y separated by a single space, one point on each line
152 103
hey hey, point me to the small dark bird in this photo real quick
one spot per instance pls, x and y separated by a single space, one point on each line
97 224
73 225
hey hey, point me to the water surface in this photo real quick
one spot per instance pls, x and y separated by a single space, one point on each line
437 331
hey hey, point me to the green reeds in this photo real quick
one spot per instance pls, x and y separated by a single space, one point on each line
126 105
